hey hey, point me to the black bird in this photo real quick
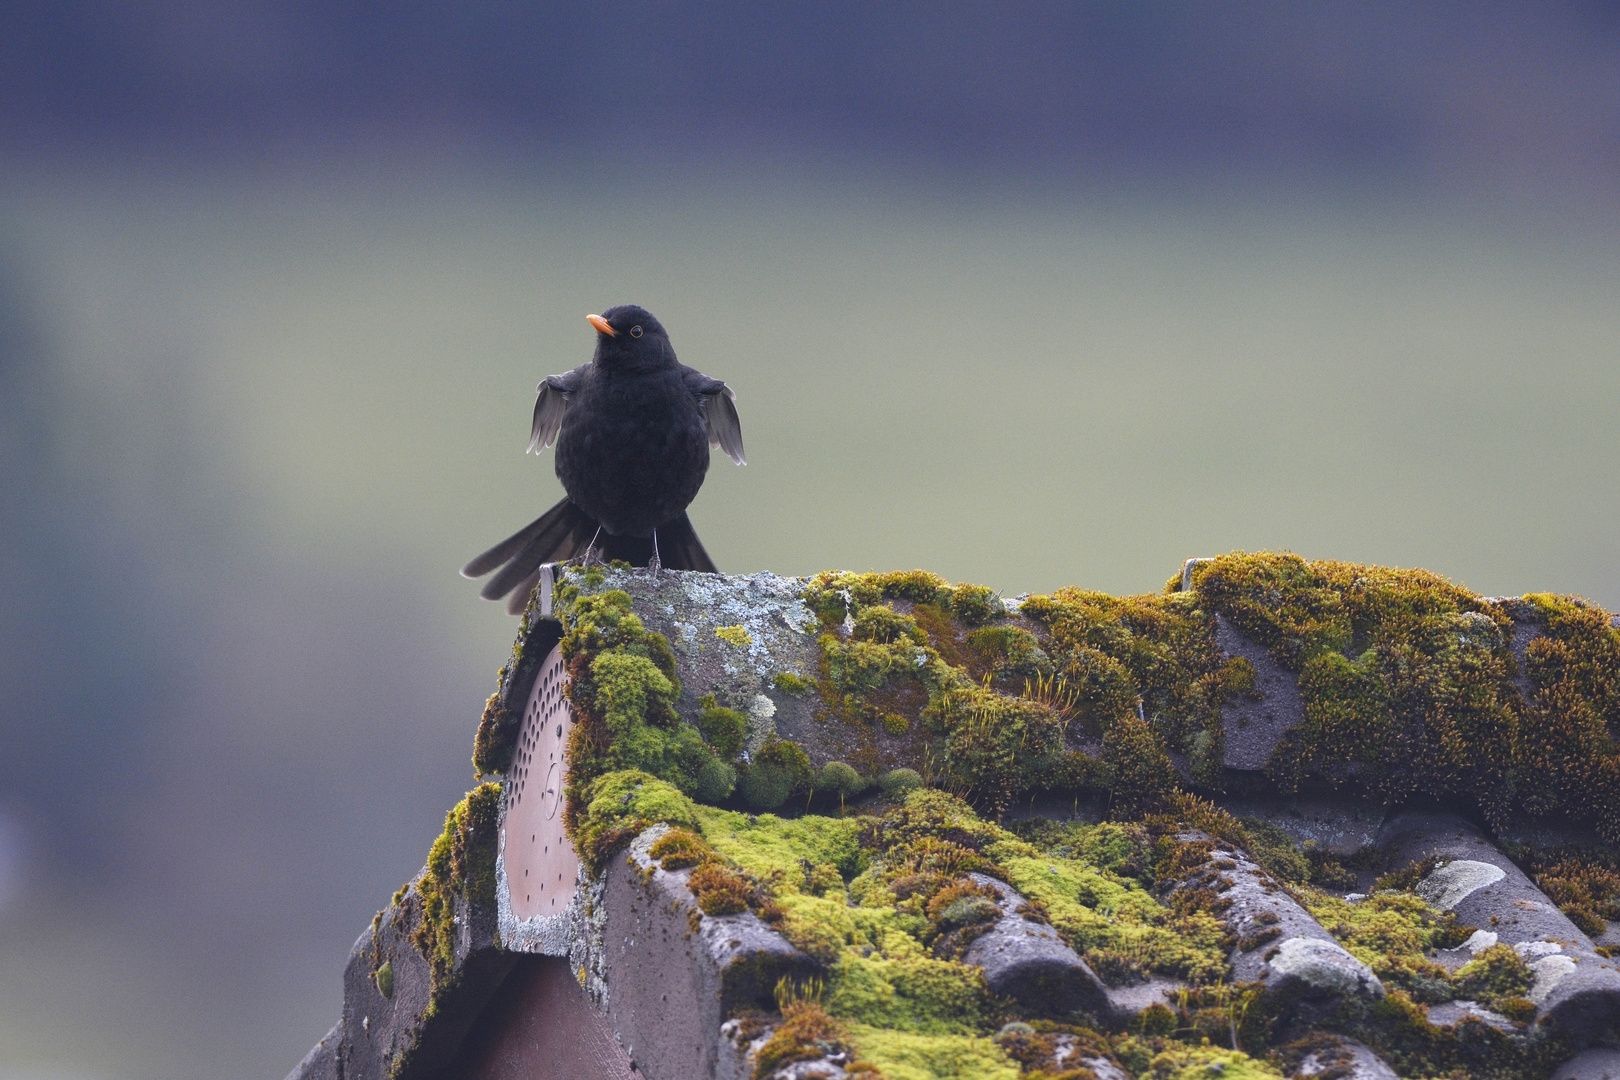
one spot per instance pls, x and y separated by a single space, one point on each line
633 428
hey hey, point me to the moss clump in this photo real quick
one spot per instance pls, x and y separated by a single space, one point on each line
679 849
996 746
805 1034
619 806
779 769
1050 1051
1572 763
1583 882
1012 654
905 1055
623 689
460 869
1182 1062
496 740
898 782
1496 974
836 595
1408 679
790 683
384 979
884 667
1151 658
1391 932
1275 850
498 727
721 890
725 729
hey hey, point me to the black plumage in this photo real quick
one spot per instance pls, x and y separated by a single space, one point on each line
633 429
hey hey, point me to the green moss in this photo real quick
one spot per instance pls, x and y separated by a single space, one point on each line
1151 659
1113 918
497 736
838 778
619 805
775 849
1391 932
1012 654
460 871
996 746
905 1055
725 729
1139 774
1277 851
385 979
898 782
1494 974
1181 1062
789 683
1575 668
623 687
805 1034
779 769
1583 882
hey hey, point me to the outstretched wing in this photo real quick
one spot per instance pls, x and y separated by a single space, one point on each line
720 417
719 405
555 391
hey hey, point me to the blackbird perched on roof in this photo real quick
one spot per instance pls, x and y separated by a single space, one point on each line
633 428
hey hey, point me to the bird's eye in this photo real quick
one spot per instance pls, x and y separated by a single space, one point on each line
635 331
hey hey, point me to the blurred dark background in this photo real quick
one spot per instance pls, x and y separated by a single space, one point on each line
1057 296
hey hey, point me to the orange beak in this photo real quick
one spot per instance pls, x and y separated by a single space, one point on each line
601 325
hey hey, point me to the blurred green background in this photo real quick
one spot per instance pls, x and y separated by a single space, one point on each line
265 381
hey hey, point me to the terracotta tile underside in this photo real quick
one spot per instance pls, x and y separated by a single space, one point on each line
540 863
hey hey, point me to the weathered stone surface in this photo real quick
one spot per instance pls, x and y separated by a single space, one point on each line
1104 1069
1254 725
1599 1063
1345 1060
1029 962
321 1063
1449 1014
385 1037
1127 1001
778 635
672 979
1278 942
1574 987
1576 990
1341 824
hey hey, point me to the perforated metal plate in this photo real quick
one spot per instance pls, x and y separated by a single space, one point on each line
540 863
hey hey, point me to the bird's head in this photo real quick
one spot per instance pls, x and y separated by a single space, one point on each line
629 336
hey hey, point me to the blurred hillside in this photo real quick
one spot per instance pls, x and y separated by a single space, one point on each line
1059 299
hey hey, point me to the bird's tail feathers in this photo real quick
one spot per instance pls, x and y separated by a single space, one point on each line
565 532
560 534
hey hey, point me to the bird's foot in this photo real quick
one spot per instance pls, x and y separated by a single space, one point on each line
591 558
654 563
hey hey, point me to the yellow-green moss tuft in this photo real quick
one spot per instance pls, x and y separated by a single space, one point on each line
905 1055
619 806
460 868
